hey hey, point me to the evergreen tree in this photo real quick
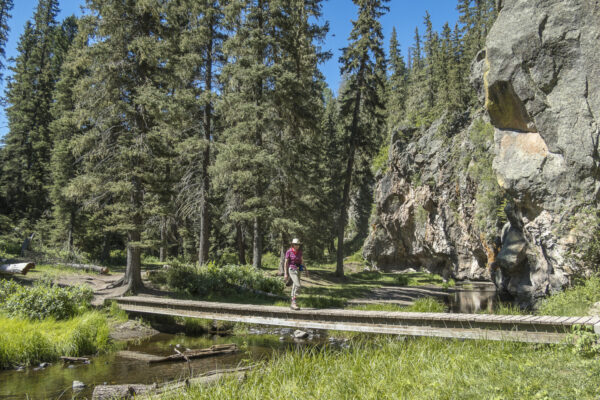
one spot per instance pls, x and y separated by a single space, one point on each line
26 177
198 27
431 54
121 104
5 8
363 62
271 104
396 89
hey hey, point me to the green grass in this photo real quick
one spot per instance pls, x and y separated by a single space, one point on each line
423 304
426 368
575 301
27 342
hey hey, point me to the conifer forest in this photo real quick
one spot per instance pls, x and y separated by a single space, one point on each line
205 130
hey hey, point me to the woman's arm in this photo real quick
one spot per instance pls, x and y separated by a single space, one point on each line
286 267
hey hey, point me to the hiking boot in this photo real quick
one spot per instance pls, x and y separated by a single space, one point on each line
294 306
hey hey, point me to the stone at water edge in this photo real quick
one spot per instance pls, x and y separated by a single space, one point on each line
298 334
78 385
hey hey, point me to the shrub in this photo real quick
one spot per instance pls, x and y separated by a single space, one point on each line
584 341
213 280
402 280
44 300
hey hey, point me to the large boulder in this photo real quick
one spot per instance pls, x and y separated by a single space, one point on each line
541 87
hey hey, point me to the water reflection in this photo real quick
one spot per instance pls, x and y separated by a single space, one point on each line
473 298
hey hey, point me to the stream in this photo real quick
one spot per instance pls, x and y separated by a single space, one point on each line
56 380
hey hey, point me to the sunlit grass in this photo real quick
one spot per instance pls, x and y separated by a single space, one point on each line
424 368
574 301
25 342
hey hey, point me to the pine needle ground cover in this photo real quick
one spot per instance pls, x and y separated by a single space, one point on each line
386 368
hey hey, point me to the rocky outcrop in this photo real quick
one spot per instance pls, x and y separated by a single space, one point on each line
439 205
541 88
427 210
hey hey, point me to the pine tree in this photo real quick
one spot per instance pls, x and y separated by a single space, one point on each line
25 177
363 62
431 54
397 82
198 27
121 104
5 8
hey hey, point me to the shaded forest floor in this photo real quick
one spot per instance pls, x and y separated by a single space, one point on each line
321 289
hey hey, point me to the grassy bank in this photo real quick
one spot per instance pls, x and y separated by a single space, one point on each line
385 368
41 322
28 342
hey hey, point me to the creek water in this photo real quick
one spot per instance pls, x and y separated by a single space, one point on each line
56 381
118 367
471 298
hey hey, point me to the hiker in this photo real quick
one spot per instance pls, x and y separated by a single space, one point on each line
293 268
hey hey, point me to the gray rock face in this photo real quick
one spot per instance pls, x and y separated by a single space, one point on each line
541 85
426 207
539 79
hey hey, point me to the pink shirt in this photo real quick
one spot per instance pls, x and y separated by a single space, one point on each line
294 258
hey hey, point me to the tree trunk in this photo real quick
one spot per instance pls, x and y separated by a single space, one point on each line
240 243
70 232
163 240
133 272
105 252
26 244
282 251
204 215
257 244
339 268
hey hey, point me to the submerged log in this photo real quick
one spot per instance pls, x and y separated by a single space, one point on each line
20 268
75 359
88 267
104 392
191 354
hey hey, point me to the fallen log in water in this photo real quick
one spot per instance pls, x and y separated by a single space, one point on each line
88 267
17 268
215 350
75 359
103 392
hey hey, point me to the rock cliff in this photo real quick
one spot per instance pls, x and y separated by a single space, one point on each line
436 206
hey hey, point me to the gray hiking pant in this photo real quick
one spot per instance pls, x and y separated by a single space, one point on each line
295 277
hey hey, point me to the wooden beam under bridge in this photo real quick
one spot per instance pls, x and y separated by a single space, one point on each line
520 328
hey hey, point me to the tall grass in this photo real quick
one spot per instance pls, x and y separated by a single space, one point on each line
425 368
574 301
423 304
27 342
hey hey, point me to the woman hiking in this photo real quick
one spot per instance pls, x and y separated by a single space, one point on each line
292 269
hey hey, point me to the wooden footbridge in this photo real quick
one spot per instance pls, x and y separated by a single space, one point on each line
536 329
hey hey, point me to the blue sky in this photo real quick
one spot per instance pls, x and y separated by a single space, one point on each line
405 15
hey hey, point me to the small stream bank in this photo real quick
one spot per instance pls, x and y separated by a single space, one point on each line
119 367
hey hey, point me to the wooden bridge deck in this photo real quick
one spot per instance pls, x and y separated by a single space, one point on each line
536 329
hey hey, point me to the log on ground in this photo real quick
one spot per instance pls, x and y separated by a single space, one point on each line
88 267
215 350
16 268
103 392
